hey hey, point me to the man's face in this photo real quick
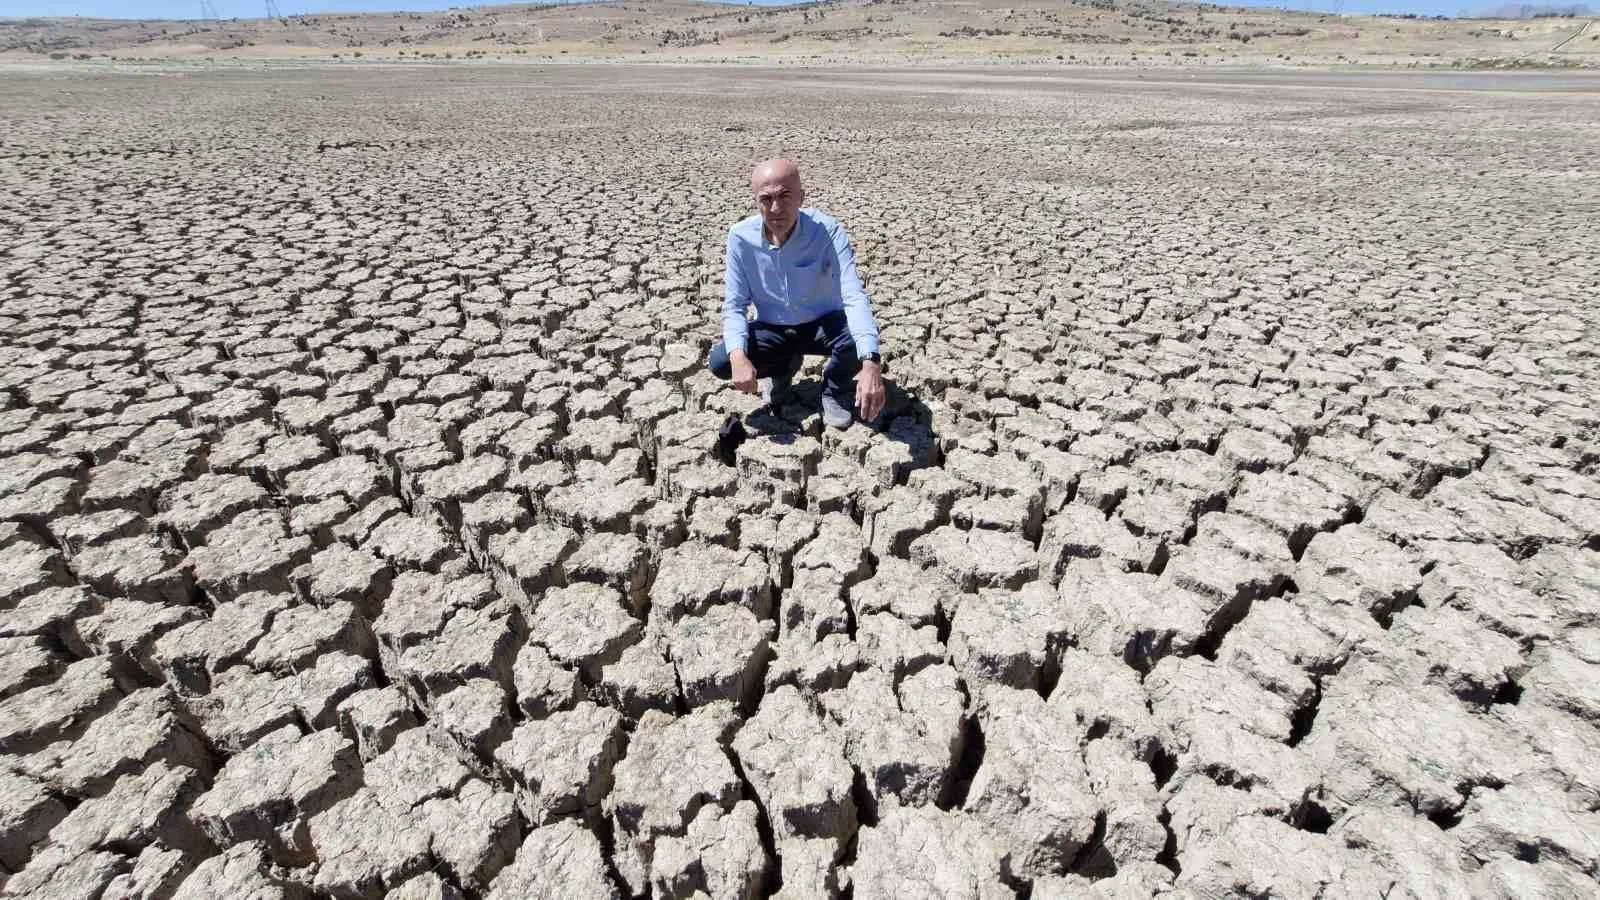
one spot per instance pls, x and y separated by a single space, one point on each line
779 199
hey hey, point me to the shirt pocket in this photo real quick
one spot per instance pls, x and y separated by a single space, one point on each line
809 278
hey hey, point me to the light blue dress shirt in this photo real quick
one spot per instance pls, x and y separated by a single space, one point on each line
812 274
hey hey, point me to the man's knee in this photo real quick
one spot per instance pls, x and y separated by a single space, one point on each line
718 363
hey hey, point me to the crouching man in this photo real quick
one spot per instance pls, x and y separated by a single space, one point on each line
796 266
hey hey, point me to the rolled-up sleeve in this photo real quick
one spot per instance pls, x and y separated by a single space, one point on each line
857 308
735 298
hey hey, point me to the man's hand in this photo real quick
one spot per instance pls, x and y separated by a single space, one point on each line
744 372
869 391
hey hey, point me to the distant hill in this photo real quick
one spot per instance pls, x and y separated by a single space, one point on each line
1537 11
864 31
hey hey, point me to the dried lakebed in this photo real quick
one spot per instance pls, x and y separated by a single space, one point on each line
1232 530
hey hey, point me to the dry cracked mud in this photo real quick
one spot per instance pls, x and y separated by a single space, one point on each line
1232 530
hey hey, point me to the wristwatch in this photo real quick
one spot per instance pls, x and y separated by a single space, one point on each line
874 357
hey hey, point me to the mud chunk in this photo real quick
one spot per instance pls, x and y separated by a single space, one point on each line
1126 787
57 871
795 761
813 606
890 528
31 720
673 767
243 706
694 577
474 644
721 655
1564 681
1515 878
1294 506
924 853
139 810
252 552
618 561
1355 565
902 588
562 764
342 575
26 662
906 740
269 792
411 543
1423 859
1006 636
301 634
543 686
813 666
719 855
1516 823
1263 856
890 643
1106 698
979 558
363 848
241 870
419 606
1283 649
837 545
194 509
426 886
584 626
156 873
562 858
1425 750
1445 646
1191 694
27 813
642 678
144 569
526 563
190 654
353 477
373 718
475 715
145 727
1135 617
50 614
1032 788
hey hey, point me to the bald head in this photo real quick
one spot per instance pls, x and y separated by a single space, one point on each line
774 171
778 195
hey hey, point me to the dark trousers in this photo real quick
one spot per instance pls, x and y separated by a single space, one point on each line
777 350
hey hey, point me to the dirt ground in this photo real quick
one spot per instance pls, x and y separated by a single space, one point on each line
1140 33
1233 526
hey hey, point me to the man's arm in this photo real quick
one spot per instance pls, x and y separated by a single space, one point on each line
870 393
735 300
857 308
735 324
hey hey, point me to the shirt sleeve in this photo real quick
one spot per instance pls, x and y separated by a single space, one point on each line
735 299
857 308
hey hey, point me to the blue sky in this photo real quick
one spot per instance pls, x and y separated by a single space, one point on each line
188 9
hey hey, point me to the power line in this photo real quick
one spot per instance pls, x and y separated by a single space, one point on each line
208 11
272 10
